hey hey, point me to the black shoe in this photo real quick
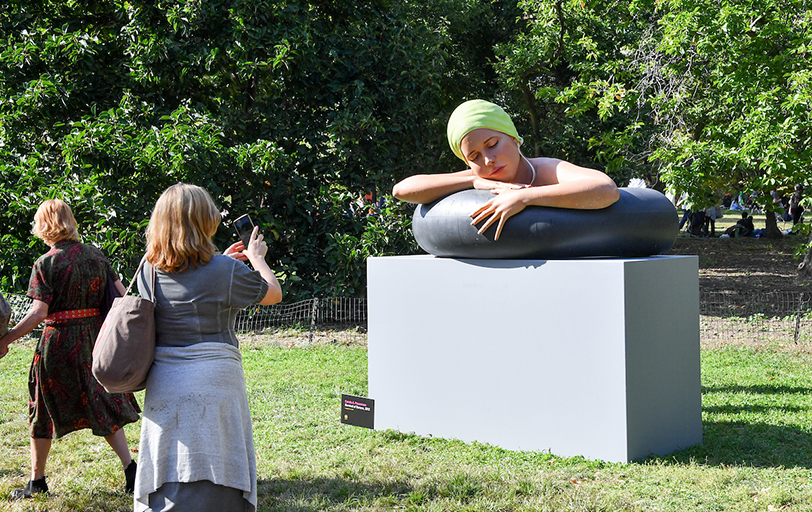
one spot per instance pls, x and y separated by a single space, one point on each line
129 476
33 487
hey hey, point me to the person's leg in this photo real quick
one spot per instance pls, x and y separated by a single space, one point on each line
39 456
118 442
40 447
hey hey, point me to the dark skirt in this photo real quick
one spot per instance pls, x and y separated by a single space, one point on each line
63 394
200 496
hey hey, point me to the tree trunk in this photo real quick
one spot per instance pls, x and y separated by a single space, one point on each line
534 118
772 230
804 274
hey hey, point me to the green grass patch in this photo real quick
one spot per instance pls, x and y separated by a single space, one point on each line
756 455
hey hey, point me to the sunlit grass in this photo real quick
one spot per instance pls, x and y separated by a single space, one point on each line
757 454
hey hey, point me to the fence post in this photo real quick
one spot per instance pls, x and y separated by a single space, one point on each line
798 317
313 312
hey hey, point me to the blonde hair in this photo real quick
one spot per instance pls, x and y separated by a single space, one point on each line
54 222
181 227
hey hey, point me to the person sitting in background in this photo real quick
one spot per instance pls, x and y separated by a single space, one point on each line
482 135
196 451
696 224
743 227
67 286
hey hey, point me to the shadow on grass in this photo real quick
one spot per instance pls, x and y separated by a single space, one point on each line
748 444
752 443
758 390
306 495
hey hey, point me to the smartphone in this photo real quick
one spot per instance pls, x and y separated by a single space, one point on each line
244 227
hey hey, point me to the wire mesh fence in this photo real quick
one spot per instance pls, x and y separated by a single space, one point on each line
344 318
756 317
723 316
19 306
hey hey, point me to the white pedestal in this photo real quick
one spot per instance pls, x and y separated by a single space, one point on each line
593 357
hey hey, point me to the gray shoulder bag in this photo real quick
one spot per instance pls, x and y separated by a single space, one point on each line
125 346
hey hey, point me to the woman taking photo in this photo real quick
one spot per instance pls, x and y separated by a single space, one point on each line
67 285
196 451
483 136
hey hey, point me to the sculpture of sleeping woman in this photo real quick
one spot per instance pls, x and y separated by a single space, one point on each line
483 136
583 213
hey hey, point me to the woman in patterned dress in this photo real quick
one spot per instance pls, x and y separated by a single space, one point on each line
67 286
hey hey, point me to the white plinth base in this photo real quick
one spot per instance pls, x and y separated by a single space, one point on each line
594 357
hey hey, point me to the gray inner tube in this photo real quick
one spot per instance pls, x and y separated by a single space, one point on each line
643 222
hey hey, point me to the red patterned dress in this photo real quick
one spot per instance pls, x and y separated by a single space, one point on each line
63 394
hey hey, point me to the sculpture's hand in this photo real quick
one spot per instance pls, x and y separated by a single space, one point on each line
506 204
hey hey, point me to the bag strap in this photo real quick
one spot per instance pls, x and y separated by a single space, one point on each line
152 279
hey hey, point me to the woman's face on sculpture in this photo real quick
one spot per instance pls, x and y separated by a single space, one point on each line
491 154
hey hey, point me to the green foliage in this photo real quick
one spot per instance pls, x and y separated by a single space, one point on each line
281 109
386 232
567 82
289 110
708 97
745 95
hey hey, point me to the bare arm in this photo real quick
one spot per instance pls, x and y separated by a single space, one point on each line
256 255
35 316
425 188
565 185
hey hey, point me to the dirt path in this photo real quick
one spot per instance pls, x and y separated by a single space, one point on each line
743 264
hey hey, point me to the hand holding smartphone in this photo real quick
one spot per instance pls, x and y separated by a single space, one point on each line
244 227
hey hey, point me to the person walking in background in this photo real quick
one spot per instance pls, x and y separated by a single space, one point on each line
196 451
711 215
68 285
795 208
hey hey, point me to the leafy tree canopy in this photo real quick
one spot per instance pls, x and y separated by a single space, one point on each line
292 111
289 111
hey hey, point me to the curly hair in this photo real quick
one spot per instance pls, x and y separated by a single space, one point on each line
180 229
54 222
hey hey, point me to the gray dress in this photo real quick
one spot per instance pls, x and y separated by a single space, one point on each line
196 393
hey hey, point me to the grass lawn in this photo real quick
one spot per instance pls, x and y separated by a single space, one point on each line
756 456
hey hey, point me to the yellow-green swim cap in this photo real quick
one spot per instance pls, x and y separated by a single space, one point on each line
475 114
